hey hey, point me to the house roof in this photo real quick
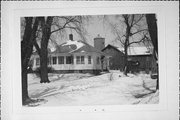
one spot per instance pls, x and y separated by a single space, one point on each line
141 50
133 51
111 46
76 47
73 47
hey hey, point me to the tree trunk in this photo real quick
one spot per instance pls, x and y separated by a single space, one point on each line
43 63
24 58
26 51
24 73
126 45
125 61
26 37
152 27
25 96
46 32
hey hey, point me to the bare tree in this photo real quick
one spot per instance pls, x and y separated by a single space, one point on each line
62 24
41 28
26 50
131 29
49 27
152 27
46 31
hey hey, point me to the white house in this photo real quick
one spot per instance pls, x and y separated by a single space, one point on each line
74 56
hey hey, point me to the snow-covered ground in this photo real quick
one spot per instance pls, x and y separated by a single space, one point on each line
86 89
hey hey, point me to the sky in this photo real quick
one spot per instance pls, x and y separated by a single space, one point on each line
98 24
95 26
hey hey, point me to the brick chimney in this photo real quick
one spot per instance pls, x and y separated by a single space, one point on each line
99 42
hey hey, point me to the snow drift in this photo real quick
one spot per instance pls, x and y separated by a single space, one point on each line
85 89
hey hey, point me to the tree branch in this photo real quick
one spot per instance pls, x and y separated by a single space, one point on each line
75 28
138 32
53 41
37 47
63 25
132 21
145 37
59 28
138 20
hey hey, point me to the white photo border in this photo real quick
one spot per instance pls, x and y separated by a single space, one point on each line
56 8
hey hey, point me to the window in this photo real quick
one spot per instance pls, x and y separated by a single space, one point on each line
80 60
98 60
89 59
60 59
69 59
54 60
37 61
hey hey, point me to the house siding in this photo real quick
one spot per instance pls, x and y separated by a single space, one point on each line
145 61
116 61
92 68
